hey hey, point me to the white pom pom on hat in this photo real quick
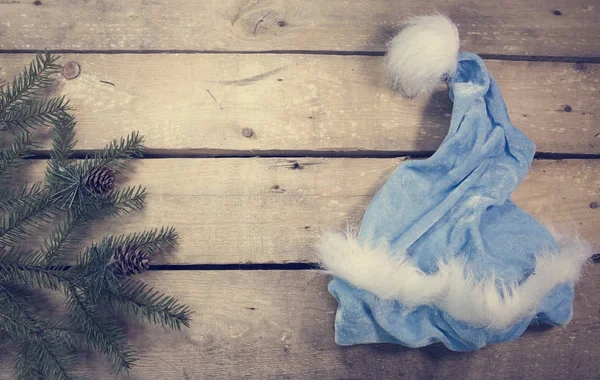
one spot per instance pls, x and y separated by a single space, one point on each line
424 51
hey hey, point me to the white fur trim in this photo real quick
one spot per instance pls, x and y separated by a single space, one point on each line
452 288
422 53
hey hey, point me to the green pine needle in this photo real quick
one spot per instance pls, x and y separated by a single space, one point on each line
29 83
11 158
12 198
152 241
48 341
27 268
26 362
63 140
116 153
31 115
16 224
102 333
136 299
57 244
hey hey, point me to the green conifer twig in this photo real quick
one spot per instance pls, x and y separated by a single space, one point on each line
11 157
29 83
75 194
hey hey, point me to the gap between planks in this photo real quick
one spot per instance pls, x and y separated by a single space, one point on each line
151 154
365 53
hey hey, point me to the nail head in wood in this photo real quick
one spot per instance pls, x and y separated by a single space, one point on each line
71 70
247 132
594 205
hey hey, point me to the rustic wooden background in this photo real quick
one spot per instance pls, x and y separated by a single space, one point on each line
270 122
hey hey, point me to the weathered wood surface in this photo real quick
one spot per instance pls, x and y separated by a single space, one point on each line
531 27
270 210
259 104
279 325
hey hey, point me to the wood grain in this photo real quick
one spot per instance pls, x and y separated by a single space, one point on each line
279 325
531 27
305 104
269 210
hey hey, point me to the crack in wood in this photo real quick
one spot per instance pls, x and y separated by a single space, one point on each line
215 99
259 22
249 80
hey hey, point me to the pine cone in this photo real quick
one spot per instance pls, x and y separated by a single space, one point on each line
100 180
128 260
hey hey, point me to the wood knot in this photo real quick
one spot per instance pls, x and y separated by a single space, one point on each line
37 3
296 166
71 70
247 132
281 24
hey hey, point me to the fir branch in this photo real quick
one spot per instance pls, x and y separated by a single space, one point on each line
93 291
152 241
55 245
41 358
54 361
97 280
25 365
116 153
19 196
14 307
61 331
138 300
65 183
63 139
29 83
69 191
15 327
19 267
4 339
16 224
32 115
11 157
33 336
102 333
113 204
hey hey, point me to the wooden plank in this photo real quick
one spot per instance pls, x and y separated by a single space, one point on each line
279 325
259 104
532 27
274 210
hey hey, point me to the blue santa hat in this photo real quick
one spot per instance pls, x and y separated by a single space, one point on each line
443 254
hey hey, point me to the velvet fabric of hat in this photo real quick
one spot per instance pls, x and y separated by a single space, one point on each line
443 254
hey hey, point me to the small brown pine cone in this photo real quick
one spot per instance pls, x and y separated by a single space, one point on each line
100 180
128 260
